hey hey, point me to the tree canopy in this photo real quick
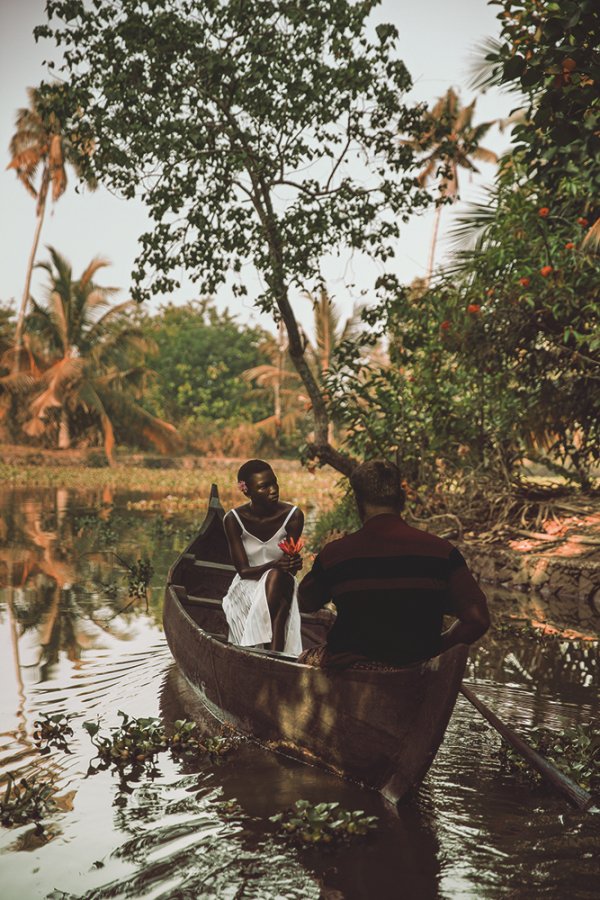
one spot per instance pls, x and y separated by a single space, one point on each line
90 361
262 132
199 359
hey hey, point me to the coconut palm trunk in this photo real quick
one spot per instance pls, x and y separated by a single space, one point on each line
64 433
41 209
39 144
27 288
432 246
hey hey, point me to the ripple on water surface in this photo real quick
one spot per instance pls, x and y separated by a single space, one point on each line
72 645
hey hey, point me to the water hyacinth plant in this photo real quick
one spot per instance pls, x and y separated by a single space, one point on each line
323 823
137 740
52 731
134 741
575 752
186 740
26 800
140 575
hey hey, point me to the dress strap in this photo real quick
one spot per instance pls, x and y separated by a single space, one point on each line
238 518
289 516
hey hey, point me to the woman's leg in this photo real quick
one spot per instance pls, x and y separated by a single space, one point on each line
279 588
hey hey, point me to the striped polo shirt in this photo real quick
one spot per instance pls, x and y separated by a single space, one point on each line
391 585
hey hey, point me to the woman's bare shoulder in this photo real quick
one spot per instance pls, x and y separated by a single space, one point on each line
232 516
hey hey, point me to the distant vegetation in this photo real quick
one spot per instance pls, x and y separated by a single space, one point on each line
490 361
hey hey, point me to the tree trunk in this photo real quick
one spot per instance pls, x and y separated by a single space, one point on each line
64 435
436 225
320 448
41 208
278 383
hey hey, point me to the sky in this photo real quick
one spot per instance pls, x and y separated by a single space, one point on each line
436 43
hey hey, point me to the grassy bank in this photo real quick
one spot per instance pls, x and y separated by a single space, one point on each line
190 478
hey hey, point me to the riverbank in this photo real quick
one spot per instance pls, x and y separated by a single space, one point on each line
561 564
188 477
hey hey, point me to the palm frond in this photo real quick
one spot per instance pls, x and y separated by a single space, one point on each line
17 383
97 263
56 165
484 70
592 239
112 313
464 117
266 374
485 155
90 399
136 422
518 116
469 226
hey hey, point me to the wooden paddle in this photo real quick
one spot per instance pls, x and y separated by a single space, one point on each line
577 795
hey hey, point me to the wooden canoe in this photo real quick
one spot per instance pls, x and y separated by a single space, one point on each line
381 729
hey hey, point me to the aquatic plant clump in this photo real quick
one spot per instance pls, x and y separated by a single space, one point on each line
137 740
575 752
52 731
186 740
140 575
322 823
134 741
26 800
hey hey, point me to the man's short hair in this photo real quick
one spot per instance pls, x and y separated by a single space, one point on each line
379 483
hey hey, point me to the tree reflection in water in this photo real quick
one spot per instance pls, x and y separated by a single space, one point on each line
174 831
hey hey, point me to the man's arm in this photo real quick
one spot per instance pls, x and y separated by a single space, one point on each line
468 603
313 593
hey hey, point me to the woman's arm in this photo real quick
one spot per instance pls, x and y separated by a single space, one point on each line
295 525
239 559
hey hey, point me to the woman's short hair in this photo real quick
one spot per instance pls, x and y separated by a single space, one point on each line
378 482
252 467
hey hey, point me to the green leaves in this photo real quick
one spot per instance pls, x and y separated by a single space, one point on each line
52 731
26 800
576 752
137 741
550 52
322 823
224 125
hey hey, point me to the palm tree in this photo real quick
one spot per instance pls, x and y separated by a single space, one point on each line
449 123
93 362
39 143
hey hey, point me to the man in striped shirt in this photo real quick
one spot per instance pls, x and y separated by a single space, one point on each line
391 584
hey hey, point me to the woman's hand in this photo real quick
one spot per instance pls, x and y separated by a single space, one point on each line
290 564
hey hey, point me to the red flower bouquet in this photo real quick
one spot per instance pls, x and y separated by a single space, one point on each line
290 546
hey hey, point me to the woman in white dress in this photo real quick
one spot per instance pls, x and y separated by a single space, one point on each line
261 604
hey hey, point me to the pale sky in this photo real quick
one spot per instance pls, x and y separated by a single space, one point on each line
436 39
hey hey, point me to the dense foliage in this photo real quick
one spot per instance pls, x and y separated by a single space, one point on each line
262 133
199 359
88 363
550 52
500 356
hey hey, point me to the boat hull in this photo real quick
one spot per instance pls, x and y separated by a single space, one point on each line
379 728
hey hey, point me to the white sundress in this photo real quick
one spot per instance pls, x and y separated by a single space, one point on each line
245 603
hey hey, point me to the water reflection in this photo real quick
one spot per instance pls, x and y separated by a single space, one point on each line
72 643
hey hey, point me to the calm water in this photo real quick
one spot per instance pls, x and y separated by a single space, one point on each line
72 642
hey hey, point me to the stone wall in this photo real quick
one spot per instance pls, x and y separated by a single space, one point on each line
558 588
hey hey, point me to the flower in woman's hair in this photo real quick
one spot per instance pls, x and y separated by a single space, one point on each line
290 546
243 487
